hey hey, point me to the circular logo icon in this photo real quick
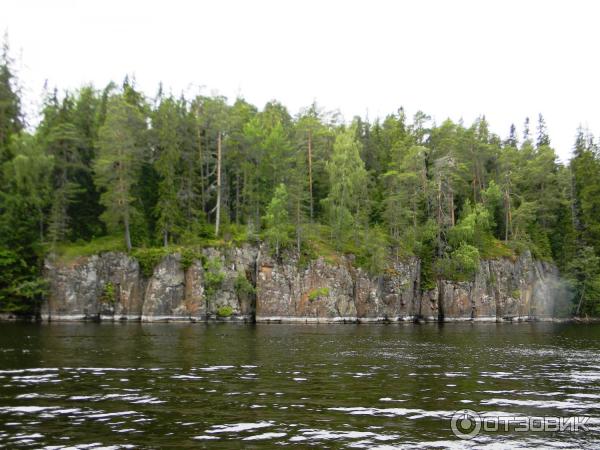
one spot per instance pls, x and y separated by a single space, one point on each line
465 424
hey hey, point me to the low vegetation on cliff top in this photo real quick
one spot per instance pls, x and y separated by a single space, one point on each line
110 169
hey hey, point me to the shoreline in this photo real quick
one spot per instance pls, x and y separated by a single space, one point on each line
8 317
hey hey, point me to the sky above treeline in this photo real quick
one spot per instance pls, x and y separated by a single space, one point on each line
451 59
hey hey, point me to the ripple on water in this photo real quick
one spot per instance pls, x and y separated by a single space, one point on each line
238 427
257 392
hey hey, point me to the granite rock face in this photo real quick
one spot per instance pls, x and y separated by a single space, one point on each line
234 264
111 286
78 290
334 291
247 283
502 290
328 292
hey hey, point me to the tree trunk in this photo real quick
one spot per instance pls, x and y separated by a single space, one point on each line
41 224
218 215
237 197
200 157
508 218
310 188
577 312
441 295
127 234
298 226
452 207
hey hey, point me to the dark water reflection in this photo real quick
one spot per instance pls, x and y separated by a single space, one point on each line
321 386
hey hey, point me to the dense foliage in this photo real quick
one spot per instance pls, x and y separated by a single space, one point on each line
111 169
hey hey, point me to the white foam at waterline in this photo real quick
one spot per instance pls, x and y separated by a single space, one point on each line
205 437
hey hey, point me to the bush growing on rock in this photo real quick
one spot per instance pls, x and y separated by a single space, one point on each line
149 258
213 276
108 294
314 294
242 286
225 311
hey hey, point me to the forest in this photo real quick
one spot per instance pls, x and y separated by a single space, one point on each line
112 169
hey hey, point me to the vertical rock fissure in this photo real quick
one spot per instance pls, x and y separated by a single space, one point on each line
441 292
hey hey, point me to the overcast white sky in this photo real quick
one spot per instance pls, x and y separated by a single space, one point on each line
457 59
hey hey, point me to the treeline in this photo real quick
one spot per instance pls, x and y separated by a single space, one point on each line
114 167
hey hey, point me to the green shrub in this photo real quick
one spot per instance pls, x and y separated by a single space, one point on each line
149 258
372 253
213 276
242 286
462 265
314 294
225 311
108 294
516 294
189 255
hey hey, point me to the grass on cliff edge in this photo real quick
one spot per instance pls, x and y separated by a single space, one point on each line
68 251
231 236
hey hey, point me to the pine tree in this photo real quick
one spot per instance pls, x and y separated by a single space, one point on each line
345 204
168 209
62 142
277 219
11 118
118 163
542 133
512 140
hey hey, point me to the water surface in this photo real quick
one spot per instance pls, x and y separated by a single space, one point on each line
265 386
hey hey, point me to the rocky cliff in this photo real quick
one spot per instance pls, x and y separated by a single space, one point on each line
247 283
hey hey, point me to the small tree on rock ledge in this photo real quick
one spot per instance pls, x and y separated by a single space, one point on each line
277 219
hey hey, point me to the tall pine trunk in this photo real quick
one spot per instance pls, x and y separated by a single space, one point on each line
127 234
218 215
310 183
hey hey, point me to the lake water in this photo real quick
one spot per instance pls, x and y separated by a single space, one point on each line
225 385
